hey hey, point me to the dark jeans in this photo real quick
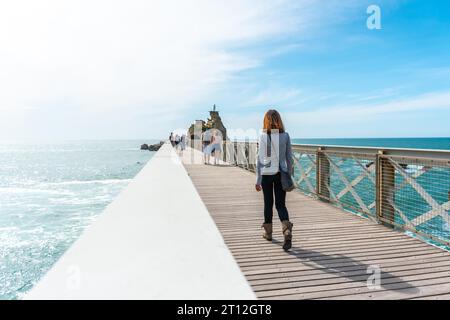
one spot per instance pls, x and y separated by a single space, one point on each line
271 185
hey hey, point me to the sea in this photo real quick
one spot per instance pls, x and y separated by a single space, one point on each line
50 192
415 143
429 192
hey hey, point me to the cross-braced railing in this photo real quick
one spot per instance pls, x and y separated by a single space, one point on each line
403 188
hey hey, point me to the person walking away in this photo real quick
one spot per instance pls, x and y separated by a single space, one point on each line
217 146
171 139
183 142
206 141
274 154
177 140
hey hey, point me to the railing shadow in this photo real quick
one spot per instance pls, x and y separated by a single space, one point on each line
221 165
325 260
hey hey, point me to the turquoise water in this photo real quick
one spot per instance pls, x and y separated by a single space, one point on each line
433 178
417 143
49 193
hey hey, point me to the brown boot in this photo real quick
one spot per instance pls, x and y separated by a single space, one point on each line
267 231
287 233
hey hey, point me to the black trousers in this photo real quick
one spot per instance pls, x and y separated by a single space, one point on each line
272 185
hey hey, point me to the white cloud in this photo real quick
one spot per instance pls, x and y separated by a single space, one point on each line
275 96
95 60
103 56
395 118
430 101
130 68
391 118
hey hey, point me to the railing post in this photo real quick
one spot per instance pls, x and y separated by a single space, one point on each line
246 154
224 149
385 190
236 153
322 175
229 155
252 156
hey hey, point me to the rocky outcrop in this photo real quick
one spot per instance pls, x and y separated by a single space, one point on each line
152 147
214 122
155 147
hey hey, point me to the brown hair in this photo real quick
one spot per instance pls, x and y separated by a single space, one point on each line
272 120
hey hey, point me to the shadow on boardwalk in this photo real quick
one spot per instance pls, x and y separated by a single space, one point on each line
345 267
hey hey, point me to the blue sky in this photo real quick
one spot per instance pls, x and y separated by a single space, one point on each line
134 69
347 65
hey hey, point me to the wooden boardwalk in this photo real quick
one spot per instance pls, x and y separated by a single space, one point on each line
332 249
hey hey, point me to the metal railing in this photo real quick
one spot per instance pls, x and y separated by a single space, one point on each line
404 188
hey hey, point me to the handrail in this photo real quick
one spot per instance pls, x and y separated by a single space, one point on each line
403 188
399 152
415 152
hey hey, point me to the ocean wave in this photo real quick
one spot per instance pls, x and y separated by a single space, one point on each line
16 190
83 201
100 181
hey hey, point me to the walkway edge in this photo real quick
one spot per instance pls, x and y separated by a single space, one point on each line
156 240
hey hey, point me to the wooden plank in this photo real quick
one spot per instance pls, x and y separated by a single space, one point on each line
408 286
342 264
434 295
343 279
308 271
332 249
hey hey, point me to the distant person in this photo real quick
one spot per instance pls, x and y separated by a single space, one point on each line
274 154
183 142
171 139
177 140
206 149
216 145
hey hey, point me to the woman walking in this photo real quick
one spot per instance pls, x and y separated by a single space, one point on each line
183 142
206 141
216 145
274 156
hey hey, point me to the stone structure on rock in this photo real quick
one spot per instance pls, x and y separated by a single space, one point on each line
213 122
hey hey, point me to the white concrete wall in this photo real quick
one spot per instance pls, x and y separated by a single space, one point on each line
155 241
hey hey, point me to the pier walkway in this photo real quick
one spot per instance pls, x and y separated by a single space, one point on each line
185 230
156 240
334 252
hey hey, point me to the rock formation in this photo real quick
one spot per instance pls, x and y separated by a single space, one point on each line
156 146
152 147
213 122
